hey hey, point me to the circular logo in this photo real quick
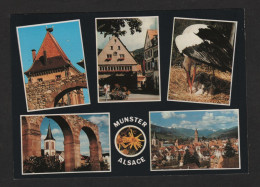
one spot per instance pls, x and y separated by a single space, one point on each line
130 141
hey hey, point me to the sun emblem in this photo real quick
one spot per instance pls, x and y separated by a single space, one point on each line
130 141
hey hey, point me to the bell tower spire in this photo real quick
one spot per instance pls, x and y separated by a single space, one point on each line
49 143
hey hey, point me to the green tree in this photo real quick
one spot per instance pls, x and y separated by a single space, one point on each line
42 164
229 151
195 159
115 27
187 157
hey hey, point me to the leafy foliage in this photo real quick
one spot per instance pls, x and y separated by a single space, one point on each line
115 27
42 164
138 55
229 151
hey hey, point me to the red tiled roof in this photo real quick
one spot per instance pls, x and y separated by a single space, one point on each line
51 46
56 58
151 33
52 63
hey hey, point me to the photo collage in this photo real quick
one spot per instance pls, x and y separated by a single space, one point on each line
138 105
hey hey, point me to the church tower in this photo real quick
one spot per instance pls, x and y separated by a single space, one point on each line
49 143
154 140
196 136
176 143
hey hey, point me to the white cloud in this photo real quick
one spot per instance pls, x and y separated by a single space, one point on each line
56 131
105 149
167 115
84 152
43 137
184 122
209 121
208 116
59 146
99 119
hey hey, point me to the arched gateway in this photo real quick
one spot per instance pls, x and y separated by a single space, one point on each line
46 94
71 125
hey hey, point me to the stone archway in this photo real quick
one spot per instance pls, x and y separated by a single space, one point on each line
71 126
42 95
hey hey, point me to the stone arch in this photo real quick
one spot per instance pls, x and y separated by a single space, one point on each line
41 95
71 126
31 134
94 148
62 90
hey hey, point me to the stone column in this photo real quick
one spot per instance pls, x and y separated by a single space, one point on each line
100 152
94 157
31 141
69 155
77 154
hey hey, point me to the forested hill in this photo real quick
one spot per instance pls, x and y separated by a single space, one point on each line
227 133
173 133
138 55
166 133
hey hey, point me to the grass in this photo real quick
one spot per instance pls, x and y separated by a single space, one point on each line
179 90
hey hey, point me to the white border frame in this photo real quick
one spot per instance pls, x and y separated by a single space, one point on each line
145 140
21 62
159 69
234 49
213 169
47 173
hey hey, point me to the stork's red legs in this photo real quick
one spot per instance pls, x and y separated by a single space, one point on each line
189 81
194 74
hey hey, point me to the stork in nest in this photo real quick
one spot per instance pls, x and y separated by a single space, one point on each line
200 43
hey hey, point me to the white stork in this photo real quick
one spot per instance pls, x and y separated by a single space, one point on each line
203 43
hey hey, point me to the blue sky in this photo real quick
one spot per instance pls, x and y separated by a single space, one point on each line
102 120
212 120
67 35
132 42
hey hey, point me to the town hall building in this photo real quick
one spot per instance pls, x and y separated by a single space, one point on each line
116 65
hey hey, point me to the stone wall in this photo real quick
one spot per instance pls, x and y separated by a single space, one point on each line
41 95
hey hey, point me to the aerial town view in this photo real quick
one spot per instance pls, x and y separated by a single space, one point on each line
128 59
194 140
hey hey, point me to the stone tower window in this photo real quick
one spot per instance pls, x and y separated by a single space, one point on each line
118 47
115 53
111 47
39 80
58 77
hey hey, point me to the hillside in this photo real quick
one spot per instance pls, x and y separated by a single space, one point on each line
166 133
138 55
227 133
173 133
